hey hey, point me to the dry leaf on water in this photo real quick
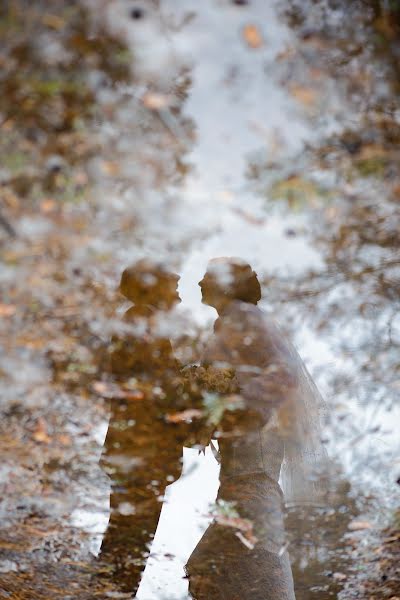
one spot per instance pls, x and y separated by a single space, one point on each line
111 390
359 525
40 434
110 168
64 439
252 36
244 527
184 416
53 21
48 205
305 95
154 101
7 310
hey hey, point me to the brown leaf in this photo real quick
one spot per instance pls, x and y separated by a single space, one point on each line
244 527
252 36
154 101
64 439
253 220
305 95
249 540
48 205
286 54
53 21
396 190
81 178
40 532
7 310
236 522
185 416
393 538
110 168
359 525
111 390
40 434
372 151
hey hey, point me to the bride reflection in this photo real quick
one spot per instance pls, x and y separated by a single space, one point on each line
274 433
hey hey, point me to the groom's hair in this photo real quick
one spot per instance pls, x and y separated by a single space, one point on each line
147 281
233 278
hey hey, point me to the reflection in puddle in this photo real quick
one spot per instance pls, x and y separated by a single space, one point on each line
249 390
262 130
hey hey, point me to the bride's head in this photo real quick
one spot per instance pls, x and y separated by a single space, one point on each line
229 279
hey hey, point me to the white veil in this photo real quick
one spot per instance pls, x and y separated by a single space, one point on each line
300 421
263 357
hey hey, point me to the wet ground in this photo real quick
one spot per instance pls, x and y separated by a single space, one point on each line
182 133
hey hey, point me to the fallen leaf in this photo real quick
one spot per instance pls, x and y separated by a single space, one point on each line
286 54
253 220
252 36
318 43
48 205
40 434
7 310
393 538
396 190
244 527
339 576
81 178
371 151
110 168
305 95
236 522
154 101
249 543
64 439
185 416
40 532
359 525
54 22
111 390
385 25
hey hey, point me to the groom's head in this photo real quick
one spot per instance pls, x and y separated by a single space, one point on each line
228 279
149 283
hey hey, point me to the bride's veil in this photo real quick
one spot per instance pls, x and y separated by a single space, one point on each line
300 421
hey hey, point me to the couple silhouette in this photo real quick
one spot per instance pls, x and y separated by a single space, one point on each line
250 390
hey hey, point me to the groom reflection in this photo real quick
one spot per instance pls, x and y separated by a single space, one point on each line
142 450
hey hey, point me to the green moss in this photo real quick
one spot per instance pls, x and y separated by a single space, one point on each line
371 167
298 192
14 161
48 106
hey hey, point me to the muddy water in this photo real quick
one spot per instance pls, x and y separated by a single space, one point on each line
235 129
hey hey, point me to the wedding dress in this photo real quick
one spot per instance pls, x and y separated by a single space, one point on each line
284 443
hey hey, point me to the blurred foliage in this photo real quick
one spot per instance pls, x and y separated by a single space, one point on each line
48 54
52 58
298 192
